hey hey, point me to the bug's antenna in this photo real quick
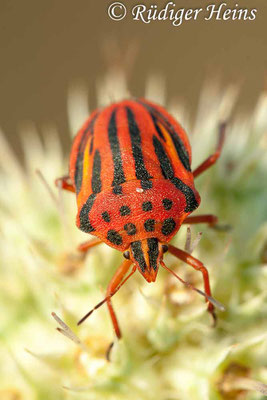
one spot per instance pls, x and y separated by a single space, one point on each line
47 186
65 330
215 302
106 298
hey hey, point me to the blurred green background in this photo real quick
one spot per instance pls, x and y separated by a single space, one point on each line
48 45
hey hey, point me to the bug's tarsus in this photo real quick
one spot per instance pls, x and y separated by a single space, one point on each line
210 299
198 266
91 311
216 303
214 318
222 227
182 255
109 351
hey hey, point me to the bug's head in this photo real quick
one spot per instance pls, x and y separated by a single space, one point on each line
146 255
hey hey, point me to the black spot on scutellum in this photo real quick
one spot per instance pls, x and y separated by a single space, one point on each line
167 204
130 229
149 225
125 210
106 216
168 226
147 206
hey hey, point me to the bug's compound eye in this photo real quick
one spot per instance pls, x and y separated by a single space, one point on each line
126 254
165 248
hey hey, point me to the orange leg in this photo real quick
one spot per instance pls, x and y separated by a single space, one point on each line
115 282
195 263
84 247
200 219
65 183
214 157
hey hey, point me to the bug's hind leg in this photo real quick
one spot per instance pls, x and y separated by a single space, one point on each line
214 157
65 183
196 264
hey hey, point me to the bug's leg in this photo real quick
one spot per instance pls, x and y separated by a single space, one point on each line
200 219
113 284
214 157
210 219
65 183
196 264
84 247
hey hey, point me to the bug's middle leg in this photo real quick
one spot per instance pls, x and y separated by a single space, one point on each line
209 219
65 183
198 265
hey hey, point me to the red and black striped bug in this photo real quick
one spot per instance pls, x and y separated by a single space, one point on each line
130 167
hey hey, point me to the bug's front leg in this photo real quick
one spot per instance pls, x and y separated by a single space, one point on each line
65 183
84 247
214 157
197 265
114 283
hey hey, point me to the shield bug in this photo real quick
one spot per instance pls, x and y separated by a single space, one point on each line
130 167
